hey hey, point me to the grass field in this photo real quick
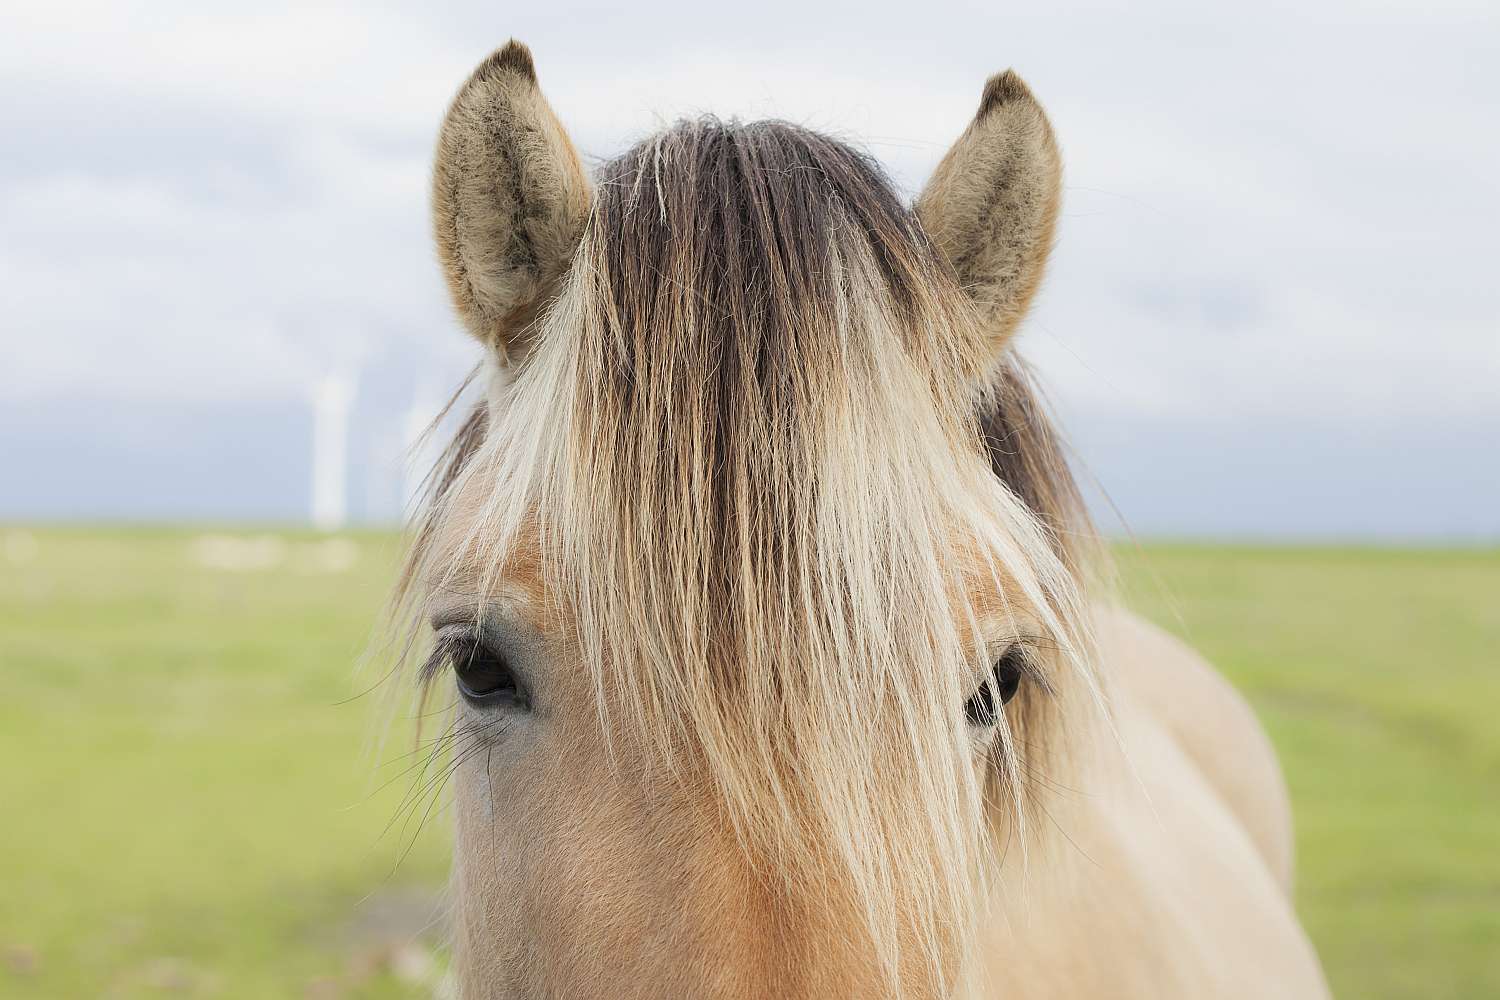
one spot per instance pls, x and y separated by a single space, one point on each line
191 806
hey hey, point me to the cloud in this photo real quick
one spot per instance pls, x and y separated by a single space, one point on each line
1275 215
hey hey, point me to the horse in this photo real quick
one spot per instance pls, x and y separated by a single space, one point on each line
782 653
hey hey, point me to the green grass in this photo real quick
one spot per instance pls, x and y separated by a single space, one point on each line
1377 674
189 795
189 802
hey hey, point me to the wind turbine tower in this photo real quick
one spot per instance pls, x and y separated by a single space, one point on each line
332 398
417 453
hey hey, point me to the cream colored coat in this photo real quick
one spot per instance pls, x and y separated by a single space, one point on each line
1171 881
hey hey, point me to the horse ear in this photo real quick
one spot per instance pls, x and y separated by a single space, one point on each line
992 202
509 198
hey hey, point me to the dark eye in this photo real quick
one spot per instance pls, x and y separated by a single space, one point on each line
983 707
484 677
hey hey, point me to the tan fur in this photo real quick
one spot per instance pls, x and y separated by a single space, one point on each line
992 204
761 502
1162 878
1213 725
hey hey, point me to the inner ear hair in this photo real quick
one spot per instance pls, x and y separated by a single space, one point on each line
991 204
509 198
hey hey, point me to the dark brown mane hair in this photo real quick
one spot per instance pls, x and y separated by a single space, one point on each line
765 194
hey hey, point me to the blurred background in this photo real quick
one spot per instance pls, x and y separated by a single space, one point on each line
1270 330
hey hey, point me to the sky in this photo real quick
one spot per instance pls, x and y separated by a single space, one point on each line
1271 312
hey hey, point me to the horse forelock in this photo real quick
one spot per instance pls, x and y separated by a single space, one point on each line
780 498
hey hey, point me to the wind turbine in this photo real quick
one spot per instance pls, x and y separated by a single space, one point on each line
332 398
418 451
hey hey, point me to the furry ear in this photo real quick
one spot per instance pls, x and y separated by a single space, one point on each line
992 202
509 198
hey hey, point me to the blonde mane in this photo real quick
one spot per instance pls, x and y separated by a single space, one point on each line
781 494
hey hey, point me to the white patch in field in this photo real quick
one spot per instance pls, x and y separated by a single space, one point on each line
239 554
332 555
412 963
20 547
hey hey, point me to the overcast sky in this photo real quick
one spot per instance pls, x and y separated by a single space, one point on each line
1272 310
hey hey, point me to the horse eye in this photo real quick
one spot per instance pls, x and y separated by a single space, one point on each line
981 709
484 677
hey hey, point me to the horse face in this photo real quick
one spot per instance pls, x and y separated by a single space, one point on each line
585 869
599 851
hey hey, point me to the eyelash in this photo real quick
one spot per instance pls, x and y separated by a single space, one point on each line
450 644
482 674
